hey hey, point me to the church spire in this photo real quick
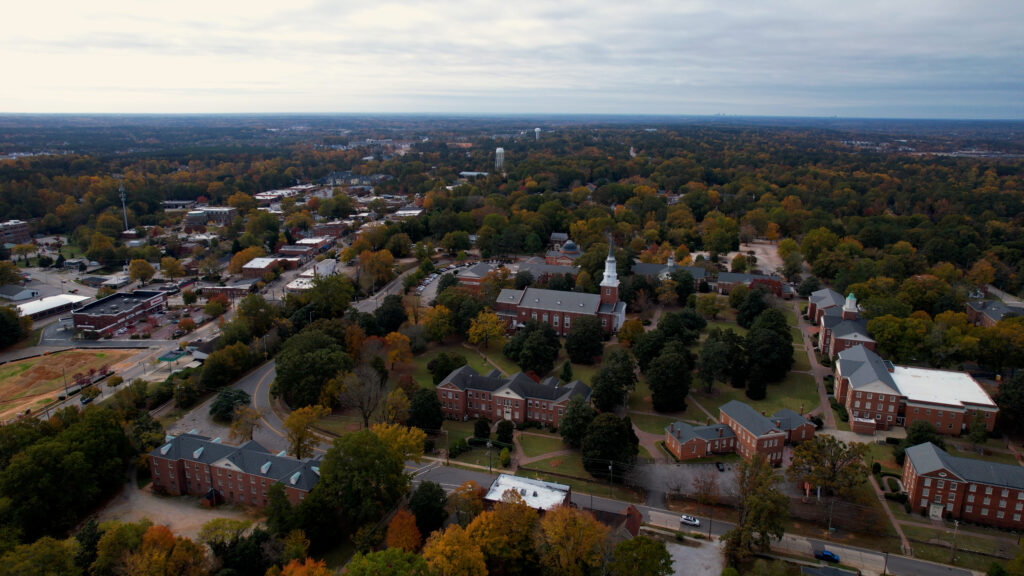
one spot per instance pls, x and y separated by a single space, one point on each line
610 282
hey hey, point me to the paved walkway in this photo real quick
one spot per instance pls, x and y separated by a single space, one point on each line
818 372
892 519
486 358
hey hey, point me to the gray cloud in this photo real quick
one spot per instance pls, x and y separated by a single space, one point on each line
876 58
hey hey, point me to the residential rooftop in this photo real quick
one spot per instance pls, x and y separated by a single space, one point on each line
537 494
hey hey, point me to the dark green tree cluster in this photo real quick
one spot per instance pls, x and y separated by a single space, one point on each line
616 377
609 447
535 347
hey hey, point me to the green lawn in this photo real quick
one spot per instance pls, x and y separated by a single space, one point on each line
787 311
988 456
536 445
651 423
844 426
582 482
640 396
570 464
801 363
798 336
422 376
882 453
725 325
340 424
797 392
458 429
995 542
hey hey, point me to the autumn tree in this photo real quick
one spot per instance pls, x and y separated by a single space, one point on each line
305 567
379 265
486 327
454 553
438 322
405 441
398 348
396 407
763 511
641 555
298 430
246 421
630 331
243 257
44 557
141 271
571 541
831 464
466 502
708 305
402 532
505 535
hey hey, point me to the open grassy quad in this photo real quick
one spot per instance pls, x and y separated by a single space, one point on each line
534 444
35 382
882 453
796 392
988 456
422 376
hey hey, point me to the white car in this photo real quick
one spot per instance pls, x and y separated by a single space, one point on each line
689 520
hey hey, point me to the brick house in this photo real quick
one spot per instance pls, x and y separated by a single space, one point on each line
660 272
742 430
259 267
193 464
688 442
842 328
755 432
107 315
466 394
727 280
821 300
988 313
559 308
879 395
15 232
963 488
472 276
543 272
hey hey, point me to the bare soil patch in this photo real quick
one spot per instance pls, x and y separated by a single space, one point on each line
36 381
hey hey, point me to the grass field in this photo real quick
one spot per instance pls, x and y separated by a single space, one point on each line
988 456
582 482
883 455
797 392
34 382
536 445
422 376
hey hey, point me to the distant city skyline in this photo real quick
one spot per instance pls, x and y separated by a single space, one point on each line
876 59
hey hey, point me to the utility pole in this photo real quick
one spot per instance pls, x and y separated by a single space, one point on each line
952 554
611 476
488 456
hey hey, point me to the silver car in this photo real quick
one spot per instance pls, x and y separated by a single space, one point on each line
689 520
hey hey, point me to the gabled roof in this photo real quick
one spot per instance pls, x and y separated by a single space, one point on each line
685 432
541 268
826 298
864 368
465 378
789 419
995 309
250 458
553 300
648 269
478 270
755 422
852 330
743 277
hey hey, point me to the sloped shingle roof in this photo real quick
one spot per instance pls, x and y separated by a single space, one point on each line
751 419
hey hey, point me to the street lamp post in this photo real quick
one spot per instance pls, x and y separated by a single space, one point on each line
488 456
886 565
952 554
611 475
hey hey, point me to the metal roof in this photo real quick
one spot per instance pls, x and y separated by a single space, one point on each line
755 422
928 457
49 303
825 298
555 300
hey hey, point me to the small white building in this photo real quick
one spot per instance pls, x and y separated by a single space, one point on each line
537 494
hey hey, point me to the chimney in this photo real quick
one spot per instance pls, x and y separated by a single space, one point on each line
672 427
720 432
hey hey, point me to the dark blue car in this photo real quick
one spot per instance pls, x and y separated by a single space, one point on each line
826 556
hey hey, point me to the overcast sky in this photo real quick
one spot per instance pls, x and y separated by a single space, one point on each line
859 58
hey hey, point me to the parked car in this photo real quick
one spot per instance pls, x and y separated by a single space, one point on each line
689 520
720 466
826 556
178 334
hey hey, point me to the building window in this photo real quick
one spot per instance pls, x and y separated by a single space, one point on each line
566 321
969 509
999 514
984 511
988 490
925 492
607 291
856 404
940 484
1005 493
927 481
986 501
869 395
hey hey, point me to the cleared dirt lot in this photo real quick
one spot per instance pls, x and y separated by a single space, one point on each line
36 381
184 515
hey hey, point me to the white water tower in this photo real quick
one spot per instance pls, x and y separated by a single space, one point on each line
536 133
499 159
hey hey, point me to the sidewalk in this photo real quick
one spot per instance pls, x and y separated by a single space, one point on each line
818 372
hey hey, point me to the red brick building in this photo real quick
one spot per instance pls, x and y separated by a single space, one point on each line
963 488
472 276
821 300
15 232
988 313
465 394
192 464
879 395
563 255
743 430
840 328
560 309
107 315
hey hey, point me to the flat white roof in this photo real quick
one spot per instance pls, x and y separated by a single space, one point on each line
44 304
940 387
536 493
315 240
260 263
300 284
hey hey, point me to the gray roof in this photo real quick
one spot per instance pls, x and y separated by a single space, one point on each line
855 329
478 270
688 432
928 457
863 367
542 268
995 309
609 308
464 377
789 419
559 237
648 269
552 300
755 422
12 290
826 298
741 277
250 458
117 303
